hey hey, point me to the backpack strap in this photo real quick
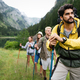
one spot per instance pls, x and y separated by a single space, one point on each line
42 39
78 30
58 29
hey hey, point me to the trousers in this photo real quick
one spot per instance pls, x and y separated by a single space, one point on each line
61 72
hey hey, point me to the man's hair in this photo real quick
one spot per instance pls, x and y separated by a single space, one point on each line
63 8
48 27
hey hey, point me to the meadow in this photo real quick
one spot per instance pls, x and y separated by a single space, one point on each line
11 70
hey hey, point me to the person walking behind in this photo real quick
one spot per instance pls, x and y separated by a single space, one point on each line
69 44
45 55
30 52
37 54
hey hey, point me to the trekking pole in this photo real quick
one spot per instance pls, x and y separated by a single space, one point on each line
26 63
34 65
18 55
51 62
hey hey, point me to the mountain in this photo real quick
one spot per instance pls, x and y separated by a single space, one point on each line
31 21
14 18
50 19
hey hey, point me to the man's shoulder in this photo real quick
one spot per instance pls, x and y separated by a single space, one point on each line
56 26
43 38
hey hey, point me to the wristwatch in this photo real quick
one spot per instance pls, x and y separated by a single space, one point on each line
64 40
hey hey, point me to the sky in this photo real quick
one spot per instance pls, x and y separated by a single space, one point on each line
32 8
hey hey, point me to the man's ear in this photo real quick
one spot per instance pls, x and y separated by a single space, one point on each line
61 17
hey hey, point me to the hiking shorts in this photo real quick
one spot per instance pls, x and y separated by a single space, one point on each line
32 54
37 56
47 63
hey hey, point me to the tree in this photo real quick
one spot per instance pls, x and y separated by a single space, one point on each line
23 36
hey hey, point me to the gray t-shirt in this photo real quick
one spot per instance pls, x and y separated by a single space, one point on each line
67 33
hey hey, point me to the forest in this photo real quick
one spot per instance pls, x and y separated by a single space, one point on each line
50 19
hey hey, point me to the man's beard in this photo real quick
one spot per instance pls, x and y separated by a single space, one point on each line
67 21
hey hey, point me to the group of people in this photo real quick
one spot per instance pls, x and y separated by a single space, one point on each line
40 51
69 46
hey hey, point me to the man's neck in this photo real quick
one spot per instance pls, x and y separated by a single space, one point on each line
47 36
68 27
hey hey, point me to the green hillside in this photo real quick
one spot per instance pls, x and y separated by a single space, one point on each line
5 29
50 19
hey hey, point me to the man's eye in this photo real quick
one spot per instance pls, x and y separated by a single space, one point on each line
67 13
72 12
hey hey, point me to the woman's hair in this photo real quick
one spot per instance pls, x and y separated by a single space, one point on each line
31 37
38 38
63 8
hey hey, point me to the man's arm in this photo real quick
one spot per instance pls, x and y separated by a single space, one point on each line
54 42
73 43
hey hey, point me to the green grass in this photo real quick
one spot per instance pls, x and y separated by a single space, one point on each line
11 70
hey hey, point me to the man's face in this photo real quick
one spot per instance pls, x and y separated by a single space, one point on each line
48 32
68 16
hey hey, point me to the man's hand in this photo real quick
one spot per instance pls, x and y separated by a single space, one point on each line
55 38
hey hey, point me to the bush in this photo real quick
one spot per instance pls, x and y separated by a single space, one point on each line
11 45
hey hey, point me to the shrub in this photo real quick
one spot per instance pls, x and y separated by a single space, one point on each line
11 45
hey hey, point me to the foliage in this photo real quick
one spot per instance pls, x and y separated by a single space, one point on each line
11 45
22 37
1 17
3 40
50 19
8 31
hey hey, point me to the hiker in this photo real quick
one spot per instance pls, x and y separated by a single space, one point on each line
69 44
30 52
75 15
45 55
37 54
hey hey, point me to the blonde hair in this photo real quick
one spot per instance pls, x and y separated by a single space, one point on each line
48 27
